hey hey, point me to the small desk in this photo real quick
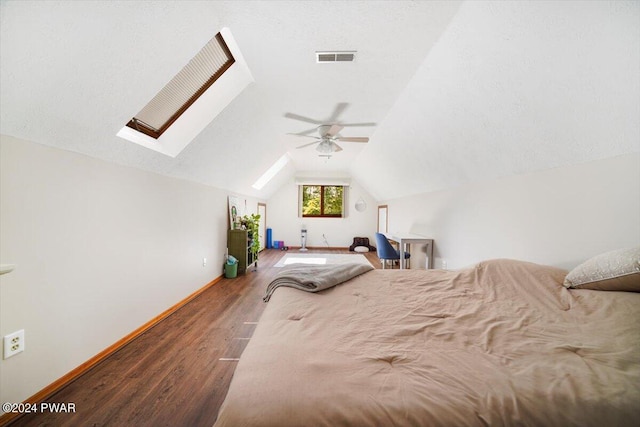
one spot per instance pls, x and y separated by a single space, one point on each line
409 238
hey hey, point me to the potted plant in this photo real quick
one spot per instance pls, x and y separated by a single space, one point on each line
251 223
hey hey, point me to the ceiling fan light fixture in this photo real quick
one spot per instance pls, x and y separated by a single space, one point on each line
325 147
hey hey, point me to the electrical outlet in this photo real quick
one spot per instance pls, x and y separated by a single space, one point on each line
13 344
204 262
444 264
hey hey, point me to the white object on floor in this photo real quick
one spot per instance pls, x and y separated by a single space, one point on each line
321 259
303 238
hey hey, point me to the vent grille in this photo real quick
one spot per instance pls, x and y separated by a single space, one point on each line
324 57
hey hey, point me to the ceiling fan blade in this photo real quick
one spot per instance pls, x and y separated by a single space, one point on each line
340 107
354 139
303 136
306 132
336 147
358 124
306 145
302 118
333 131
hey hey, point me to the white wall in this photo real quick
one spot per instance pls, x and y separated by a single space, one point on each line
283 219
558 217
100 249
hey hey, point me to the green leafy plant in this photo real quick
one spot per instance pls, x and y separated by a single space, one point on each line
251 223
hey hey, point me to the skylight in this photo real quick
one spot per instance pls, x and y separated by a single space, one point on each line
271 172
191 99
184 89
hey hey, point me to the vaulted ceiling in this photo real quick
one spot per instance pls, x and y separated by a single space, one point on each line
460 91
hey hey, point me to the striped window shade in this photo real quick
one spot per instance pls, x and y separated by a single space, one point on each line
184 89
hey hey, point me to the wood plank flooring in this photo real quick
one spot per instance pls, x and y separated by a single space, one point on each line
172 374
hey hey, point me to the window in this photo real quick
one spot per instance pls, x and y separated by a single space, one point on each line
323 201
184 89
272 171
174 118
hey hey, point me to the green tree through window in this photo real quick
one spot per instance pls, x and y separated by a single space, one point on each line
322 200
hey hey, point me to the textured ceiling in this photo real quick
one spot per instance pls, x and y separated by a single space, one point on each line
511 88
460 91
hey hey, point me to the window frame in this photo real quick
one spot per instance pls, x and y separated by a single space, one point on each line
142 127
322 214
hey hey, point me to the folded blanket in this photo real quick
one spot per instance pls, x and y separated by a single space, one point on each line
315 278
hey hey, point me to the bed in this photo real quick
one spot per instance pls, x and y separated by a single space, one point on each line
501 343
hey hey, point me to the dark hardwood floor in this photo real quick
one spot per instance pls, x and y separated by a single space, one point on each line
172 374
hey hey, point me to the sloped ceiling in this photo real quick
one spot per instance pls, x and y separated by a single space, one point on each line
459 91
511 88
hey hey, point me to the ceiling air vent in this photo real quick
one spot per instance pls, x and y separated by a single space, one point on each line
346 56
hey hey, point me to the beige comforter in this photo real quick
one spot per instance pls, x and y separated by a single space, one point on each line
503 343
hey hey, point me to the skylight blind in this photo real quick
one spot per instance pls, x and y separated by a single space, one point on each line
184 89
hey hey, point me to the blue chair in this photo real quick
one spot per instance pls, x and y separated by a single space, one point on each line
386 252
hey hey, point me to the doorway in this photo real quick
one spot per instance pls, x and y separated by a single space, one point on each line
262 226
383 219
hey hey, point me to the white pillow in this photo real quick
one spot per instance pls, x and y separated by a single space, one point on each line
617 270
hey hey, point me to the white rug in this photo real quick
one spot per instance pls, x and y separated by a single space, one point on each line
320 259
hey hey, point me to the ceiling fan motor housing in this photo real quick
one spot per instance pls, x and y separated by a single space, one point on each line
323 130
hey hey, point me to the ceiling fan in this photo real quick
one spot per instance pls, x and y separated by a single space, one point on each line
326 142
328 131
